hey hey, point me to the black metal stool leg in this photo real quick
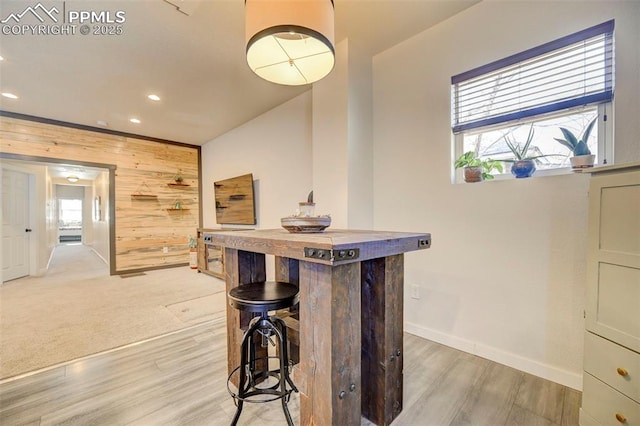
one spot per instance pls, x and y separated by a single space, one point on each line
242 379
257 382
284 371
285 352
247 356
234 422
255 330
264 327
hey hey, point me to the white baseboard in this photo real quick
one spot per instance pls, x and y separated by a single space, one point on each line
509 359
99 255
586 420
50 260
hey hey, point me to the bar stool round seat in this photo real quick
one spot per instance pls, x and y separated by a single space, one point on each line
255 376
263 296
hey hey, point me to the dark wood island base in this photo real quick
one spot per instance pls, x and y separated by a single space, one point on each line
350 315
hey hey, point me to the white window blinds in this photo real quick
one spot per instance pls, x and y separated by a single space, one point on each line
572 71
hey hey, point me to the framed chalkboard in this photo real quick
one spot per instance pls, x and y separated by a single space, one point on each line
235 202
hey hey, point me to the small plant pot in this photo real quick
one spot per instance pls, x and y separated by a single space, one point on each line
582 161
193 258
523 168
473 174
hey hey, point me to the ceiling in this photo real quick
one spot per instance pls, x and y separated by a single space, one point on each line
193 60
60 172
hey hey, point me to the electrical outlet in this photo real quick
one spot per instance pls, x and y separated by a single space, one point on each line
424 243
165 250
415 291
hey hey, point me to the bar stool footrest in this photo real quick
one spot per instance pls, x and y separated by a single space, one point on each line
252 390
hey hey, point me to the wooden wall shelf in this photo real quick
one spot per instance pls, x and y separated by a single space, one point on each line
178 184
144 197
176 210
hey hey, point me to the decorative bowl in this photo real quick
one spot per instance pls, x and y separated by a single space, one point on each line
305 225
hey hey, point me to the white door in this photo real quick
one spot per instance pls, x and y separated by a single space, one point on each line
15 224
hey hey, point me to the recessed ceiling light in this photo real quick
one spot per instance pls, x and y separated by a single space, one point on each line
103 123
1 58
9 95
73 178
154 97
135 120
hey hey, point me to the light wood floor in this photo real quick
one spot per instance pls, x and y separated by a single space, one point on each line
180 379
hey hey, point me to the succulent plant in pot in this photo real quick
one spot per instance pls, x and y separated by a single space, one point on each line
582 156
476 169
524 165
193 252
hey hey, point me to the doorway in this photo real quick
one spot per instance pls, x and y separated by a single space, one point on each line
95 226
16 228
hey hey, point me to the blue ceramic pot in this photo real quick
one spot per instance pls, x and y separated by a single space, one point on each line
523 168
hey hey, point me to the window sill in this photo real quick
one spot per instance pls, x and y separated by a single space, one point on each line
538 174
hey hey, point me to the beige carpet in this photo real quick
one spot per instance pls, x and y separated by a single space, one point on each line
77 309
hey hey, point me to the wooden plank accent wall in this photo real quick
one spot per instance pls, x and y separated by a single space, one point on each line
142 226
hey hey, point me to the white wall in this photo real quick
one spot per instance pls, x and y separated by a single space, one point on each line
330 144
342 147
505 275
276 148
360 149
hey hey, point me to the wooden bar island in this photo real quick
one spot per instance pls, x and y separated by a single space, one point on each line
350 314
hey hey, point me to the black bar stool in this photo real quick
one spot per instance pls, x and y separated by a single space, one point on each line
260 298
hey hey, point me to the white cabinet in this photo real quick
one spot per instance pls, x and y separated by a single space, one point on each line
611 392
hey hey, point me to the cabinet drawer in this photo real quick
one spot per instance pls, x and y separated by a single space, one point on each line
603 404
609 362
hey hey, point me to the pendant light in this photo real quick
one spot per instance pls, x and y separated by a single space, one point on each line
290 42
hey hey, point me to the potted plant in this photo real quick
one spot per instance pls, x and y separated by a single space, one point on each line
178 179
524 165
476 169
582 156
193 252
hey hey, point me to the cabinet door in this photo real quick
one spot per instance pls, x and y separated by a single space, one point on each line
613 275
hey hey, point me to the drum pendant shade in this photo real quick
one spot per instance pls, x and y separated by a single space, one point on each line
290 42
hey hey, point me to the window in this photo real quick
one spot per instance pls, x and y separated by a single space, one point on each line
70 213
563 83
